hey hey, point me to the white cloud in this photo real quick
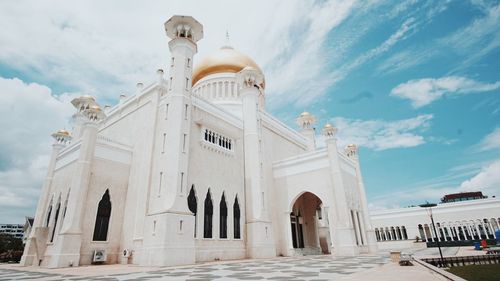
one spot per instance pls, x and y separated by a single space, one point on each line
487 180
82 46
490 141
382 135
407 28
477 39
31 114
422 92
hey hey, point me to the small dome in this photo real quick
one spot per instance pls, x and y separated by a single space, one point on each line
328 125
63 132
305 113
226 59
87 97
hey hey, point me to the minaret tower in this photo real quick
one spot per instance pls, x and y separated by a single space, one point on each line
168 210
340 222
260 242
351 151
70 238
306 122
37 241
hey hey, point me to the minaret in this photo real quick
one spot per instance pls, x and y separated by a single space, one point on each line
306 122
81 104
341 226
260 242
70 238
351 151
174 245
38 235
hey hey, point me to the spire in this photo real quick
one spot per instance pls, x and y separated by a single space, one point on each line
227 45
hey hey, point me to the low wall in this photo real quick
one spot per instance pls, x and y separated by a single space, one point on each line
400 244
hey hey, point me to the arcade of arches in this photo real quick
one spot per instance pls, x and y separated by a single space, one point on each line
446 231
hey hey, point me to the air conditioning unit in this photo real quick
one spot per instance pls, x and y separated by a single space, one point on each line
99 256
126 253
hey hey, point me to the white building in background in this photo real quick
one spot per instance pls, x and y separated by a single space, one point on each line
455 221
15 230
193 168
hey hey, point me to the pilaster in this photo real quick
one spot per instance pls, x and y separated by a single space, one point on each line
342 230
260 242
352 152
69 241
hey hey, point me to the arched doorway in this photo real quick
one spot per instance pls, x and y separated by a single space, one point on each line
308 226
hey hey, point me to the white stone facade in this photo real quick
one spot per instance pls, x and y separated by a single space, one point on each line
160 178
456 221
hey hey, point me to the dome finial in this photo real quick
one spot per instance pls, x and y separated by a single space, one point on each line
227 45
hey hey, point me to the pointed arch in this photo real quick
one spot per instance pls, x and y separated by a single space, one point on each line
102 218
208 216
56 217
49 211
193 207
66 204
223 217
236 218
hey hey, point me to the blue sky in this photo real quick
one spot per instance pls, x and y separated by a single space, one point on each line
415 84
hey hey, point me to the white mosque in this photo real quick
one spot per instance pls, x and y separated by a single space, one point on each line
192 168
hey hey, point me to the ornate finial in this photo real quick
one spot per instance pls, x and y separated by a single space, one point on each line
306 120
351 150
83 102
227 45
250 77
329 131
184 27
62 136
94 113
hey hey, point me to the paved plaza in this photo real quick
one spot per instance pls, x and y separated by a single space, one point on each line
300 268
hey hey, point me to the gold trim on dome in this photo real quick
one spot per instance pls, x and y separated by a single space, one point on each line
225 60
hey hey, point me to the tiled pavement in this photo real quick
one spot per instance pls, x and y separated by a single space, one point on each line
299 268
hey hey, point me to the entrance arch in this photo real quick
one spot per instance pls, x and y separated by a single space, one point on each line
307 222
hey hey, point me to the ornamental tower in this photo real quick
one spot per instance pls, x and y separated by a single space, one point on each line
306 122
260 242
70 237
169 225
36 243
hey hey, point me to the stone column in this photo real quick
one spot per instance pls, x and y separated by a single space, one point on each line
259 244
342 230
35 245
167 206
67 246
371 241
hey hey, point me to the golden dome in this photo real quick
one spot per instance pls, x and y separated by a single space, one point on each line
305 113
328 125
226 59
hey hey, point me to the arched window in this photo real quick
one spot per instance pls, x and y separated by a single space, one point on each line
102 218
207 225
236 216
54 229
48 215
193 206
223 217
405 234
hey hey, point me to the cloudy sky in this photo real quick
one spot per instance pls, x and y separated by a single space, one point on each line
415 83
